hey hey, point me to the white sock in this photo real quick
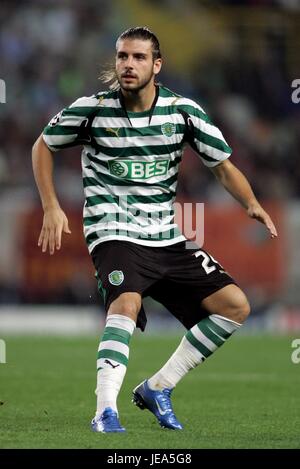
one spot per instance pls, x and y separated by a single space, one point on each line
198 344
112 359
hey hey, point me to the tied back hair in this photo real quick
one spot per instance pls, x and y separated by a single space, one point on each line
109 76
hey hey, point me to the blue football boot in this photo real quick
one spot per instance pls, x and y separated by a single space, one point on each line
107 422
159 403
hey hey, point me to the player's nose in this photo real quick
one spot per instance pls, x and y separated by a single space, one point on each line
129 62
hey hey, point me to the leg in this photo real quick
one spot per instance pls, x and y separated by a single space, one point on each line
228 308
199 288
112 359
124 271
127 304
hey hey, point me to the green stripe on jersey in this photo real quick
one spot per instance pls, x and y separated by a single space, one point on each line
131 199
156 150
150 131
212 141
168 234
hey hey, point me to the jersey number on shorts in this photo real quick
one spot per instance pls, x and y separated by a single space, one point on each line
206 259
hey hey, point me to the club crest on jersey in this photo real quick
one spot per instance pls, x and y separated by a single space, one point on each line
116 277
168 129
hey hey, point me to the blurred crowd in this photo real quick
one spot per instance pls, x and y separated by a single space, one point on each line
240 71
52 52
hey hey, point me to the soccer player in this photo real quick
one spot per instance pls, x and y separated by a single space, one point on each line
133 137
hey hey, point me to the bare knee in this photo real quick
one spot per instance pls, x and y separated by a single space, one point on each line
127 304
238 309
230 302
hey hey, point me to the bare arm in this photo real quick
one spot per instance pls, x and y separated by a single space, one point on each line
238 186
55 221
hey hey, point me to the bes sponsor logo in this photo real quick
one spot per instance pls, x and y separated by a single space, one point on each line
138 169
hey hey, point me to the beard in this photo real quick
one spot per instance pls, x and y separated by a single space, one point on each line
136 86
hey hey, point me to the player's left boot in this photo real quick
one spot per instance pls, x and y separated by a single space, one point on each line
107 422
159 403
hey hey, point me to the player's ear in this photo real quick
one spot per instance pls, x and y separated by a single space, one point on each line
157 66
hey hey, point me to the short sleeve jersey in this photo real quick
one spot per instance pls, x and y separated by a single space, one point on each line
130 162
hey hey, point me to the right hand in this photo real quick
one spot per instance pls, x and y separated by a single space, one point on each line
55 223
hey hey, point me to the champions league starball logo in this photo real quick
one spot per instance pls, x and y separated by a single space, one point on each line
55 120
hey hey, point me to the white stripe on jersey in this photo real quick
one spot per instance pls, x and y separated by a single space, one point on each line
123 142
137 122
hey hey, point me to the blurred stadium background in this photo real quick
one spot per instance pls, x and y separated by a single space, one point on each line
238 60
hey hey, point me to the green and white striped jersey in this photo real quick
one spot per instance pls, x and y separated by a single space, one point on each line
130 162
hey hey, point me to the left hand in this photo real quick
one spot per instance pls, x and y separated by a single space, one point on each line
258 213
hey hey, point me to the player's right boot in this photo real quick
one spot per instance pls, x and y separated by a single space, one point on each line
107 422
159 403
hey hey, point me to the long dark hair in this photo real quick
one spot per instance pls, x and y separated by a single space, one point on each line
139 32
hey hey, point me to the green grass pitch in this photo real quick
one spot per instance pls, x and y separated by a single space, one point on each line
245 396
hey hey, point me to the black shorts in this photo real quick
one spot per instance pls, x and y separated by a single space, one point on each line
176 277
